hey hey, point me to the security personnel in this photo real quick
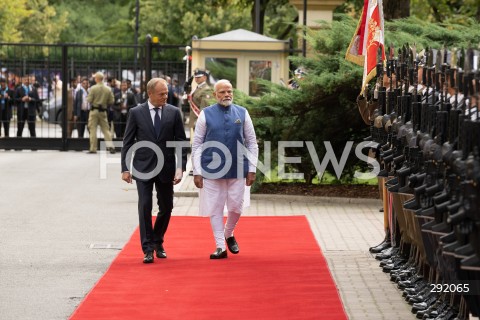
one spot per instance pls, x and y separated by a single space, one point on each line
99 97
202 97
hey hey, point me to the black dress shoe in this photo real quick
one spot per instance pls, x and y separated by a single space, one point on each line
148 258
385 254
232 245
161 254
424 305
219 254
112 150
382 246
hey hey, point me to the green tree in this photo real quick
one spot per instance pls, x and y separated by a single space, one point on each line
442 11
181 19
30 21
12 13
276 16
44 25
97 22
281 20
445 11
173 22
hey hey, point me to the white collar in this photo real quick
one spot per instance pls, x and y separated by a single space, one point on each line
151 106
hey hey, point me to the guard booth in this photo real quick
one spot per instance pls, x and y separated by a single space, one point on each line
242 57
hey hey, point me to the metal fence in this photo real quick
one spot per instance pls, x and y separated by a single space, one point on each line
50 69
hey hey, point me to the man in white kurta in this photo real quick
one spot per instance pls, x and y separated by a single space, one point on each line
225 153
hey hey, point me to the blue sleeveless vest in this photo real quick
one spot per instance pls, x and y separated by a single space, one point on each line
224 126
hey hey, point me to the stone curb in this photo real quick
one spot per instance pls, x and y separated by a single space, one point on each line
296 198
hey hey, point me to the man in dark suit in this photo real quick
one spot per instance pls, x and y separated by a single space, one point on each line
81 107
127 102
26 98
6 96
151 128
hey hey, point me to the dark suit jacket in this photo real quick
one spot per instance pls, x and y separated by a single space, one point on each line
31 107
77 109
140 128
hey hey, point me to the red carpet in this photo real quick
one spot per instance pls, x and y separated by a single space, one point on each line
279 273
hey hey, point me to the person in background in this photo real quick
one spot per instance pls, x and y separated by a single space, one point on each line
294 83
26 99
82 107
127 102
99 97
130 88
71 106
142 95
113 114
5 107
202 96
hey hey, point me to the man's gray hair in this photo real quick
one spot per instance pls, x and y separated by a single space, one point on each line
222 81
153 83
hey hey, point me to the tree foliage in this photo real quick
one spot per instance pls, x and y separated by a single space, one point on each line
442 11
324 108
33 21
446 11
276 16
183 19
97 22
12 13
113 21
44 25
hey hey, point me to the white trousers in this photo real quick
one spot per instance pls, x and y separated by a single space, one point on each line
214 195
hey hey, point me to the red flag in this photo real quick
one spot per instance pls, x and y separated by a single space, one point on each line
355 49
367 39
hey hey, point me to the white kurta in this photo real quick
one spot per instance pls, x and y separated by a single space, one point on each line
215 194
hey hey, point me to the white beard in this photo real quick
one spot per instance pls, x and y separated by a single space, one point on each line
226 103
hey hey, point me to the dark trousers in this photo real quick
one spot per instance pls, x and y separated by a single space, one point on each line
30 119
5 121
82 123
119 123
151 237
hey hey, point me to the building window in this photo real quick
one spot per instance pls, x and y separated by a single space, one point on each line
259 69
222 68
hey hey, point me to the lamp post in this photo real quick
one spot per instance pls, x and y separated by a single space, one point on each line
187 55
304 42
137 11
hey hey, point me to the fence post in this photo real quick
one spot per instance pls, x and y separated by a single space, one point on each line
65 83
148 58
